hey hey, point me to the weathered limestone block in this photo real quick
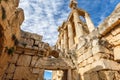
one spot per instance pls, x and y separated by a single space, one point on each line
25 34
36 37
109 75
24 73
101 64
29 52
9 76
99 56
117 53
36 43
29 42
34 60
38 63
35 70
116 30
14 58
24 60
99 49
90 76
108 37
102 75
94 76
85 56
11 68
82 42
115 40
90 60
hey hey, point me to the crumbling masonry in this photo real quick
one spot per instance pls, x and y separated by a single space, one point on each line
82 52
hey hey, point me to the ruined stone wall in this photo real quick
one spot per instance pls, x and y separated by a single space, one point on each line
96 54
31 58
11 17
25 62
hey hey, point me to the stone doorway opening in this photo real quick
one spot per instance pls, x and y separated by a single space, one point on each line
55 74
47 74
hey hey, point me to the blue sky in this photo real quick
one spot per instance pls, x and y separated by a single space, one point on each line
47 74
44 16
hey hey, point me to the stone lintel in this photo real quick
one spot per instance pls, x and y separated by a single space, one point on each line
53 64
102 64
103 30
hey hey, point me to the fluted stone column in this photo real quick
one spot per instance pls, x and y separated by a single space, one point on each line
69 76
78 26
70 35
62 41
90 24
59 43
65 40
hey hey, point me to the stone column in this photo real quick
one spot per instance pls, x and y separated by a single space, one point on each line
41 74
65 40
70 35
90 24
62 42
78 26
69 76
59 43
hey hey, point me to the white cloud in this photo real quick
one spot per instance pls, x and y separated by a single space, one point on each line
44 17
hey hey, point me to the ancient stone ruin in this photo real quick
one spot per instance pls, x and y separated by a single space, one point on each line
82 52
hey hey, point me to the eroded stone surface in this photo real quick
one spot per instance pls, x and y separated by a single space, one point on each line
82 52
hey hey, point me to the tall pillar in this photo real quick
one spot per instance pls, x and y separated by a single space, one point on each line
59 43
62 41
90 24
70 35
69 76
65 40
78 26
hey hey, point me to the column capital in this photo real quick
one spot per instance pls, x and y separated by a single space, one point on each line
73 4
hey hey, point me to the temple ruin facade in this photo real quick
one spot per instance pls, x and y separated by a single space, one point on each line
82 51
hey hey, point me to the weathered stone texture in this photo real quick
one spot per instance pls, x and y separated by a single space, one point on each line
82 52
24 60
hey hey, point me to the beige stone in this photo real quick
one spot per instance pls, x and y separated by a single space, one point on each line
24 60
36 70
9 76
116 30
34 60
14 58
24 73
11 68
117 53
82 52
89 22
